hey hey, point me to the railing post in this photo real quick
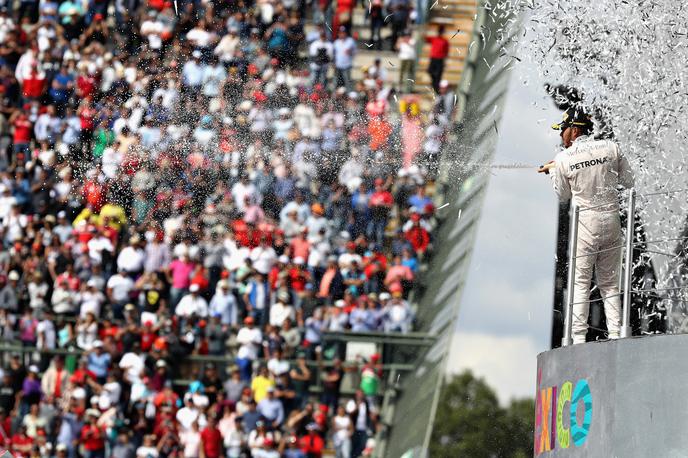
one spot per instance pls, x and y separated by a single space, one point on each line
573 245
628 266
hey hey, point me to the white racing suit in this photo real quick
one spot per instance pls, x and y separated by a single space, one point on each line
589 172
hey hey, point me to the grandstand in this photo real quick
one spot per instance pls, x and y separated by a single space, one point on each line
214 236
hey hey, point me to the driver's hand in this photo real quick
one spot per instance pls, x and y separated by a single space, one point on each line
547 167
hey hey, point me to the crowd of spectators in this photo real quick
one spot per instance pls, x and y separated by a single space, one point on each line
202 178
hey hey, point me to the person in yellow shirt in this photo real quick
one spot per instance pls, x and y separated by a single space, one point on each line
87 216
114 215
261 383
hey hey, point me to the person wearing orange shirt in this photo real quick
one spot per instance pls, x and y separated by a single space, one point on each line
379 130
300 247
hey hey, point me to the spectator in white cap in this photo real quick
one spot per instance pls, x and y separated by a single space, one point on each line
99 361
46 338
119 286
263 256
225 304
87 332
8 291
38 291
63 229
337 318
7 201
63 300
291 225
281 310
192 73
270 407
299 204
444 105
90 299
283 125
132 257
100 247
193 304
397 315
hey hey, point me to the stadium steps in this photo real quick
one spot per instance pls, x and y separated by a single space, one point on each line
457 17
366 55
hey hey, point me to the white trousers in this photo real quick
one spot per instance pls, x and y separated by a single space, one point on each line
599 247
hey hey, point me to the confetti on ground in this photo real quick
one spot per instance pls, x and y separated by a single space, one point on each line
443 206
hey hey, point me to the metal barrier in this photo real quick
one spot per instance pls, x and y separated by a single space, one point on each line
392 370
625 263
573 246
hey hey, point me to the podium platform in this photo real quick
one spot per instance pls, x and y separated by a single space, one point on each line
614 399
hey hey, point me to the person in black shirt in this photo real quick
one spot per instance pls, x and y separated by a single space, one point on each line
300 376
286 393
212 382
332 383
17 372
8 393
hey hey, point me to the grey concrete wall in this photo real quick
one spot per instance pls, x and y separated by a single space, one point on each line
637 403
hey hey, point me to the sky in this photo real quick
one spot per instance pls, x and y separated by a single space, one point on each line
506 307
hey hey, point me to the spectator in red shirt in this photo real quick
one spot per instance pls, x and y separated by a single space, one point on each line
87 117
22 135
93 437
298 278
34 83
94 193
85 85
70 277
21 443
439 50
418 236
5 428
380 203
312 444
211 439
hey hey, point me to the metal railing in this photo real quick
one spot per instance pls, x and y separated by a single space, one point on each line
626 266
197 362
